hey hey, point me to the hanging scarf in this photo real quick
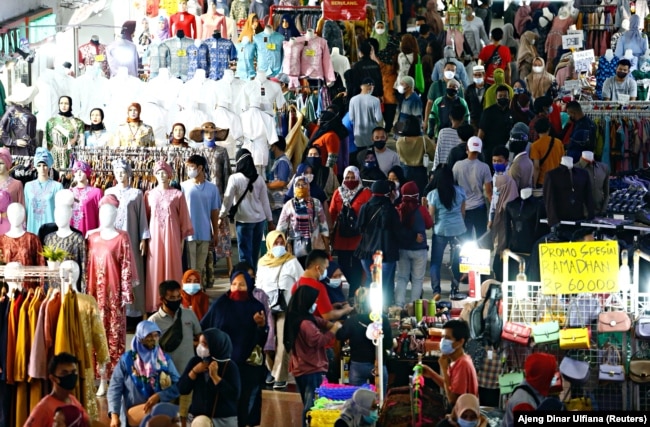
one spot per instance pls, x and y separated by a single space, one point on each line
346 194
148 365
633 34
69 112
268 260
248 30
290 31
163 33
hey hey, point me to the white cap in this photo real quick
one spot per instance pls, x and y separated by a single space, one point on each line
478 68
474 144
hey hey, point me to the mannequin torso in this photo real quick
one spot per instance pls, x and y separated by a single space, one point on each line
39 202
18 130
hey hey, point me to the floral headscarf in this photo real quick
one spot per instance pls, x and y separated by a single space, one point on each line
148 365
348 194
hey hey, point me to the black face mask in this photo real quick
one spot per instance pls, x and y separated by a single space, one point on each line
503 102
68 382
314 162
452 93
173 305
621 75
379 144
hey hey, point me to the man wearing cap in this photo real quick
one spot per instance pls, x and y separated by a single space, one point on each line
539 370
476 180
282 171
442 107
365 114
474 95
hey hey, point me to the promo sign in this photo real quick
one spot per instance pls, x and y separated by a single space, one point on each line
475 259
344 10
580 267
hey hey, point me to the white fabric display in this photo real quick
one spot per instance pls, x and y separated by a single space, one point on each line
53 84
224 89
155 115
93 90
198 90
340 63
124 90
192 117
259 132
224 118
165 88
267 91
122 53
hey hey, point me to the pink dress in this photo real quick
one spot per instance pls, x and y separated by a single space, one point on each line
169 225
85 212
15 188
110 281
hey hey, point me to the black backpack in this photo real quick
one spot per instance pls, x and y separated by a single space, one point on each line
485 323
347 221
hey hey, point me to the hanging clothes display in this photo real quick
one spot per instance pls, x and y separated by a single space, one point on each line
246 54
215 55
173 55
269 52
94 52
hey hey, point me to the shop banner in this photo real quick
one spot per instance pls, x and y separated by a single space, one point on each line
581 267
473 259
344 10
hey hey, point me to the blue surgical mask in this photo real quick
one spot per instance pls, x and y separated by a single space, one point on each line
278 251
499 167
335 283
550 109
370 165
313 308
519 90
372 417
191 288
209 143
464 423
446 346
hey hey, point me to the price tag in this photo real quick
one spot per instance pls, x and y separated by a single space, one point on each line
572 41
181 53
490 354
270 46
582 60
182 17
571 85
310 52
623 99
100 58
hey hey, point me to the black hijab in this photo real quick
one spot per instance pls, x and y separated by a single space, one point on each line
328 121
69 112
246 167
297 311
100 125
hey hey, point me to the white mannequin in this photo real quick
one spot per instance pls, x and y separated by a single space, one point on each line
107 215
268 30
63 202
609 54
525 193
122 73
310 34
567 161
164 73
197 43
69 274
261 76
588 156
628 54
14 270
16 217
564 13
573 27
163 179
199 76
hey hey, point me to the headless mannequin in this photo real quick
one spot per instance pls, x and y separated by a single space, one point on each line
16 217
567 161
609 54
180 34
268 30
62 214
261 76
310 34
216 34
628 54
525 193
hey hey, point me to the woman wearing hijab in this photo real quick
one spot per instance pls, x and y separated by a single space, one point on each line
353 195
324 176
134 133
287 28
177 136
509 39
62 132
306 337
247 190
466 413
69 416
314 190
507 191
145 375
251 27
361 410
539 82
520 103
193 294
241 316
96 135
277 271
327 138
413 248
379 33
526 54
370 173
213 379
632 39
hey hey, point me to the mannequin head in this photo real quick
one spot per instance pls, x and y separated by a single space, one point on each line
69 272
82 172
44 160
163 173
108 211
6 161
245 40
133 113
14 275
63 202
310 34
268 29
96 116
122 171
212 8
65 105
16 215
178 131
261 76
182 6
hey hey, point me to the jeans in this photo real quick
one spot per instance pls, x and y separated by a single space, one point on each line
411 264
361 372
438 245
475 219
387 279
249 240
351 269
307 385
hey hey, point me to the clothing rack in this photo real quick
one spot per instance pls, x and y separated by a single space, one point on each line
615 107
27 272
276 12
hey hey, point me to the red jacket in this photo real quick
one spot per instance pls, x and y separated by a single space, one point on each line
347 243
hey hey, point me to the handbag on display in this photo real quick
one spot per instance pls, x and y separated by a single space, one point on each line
545 331
575 371
642 328
586 308
575 338
611 368
518 333
579 404
509 380
639 370
614 321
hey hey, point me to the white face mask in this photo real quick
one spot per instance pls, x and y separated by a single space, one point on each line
202 351
401 89
537 69
192 173
335 283
380 31
278 251
478 80
309 177
449 75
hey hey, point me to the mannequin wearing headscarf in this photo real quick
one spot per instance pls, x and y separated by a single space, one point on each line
490 97
465 403
62 132
134 133
379 33
7 183
142 372
193 294
539 81
95 134
163 30
237 313
176 139
526 54
287 27
358 410
251 27
213 378
632 39
39 193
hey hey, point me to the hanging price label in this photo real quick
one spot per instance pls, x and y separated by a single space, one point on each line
270 46
310 52
100 58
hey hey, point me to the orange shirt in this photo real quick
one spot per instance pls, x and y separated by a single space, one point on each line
463 376
43 413
328 143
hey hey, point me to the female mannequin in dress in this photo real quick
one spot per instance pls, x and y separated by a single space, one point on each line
134 133
18 124
96 135
64 237
110 278
132 218
62 132
7 183
39 193
177 137
17 244
5 201
86 208
169 225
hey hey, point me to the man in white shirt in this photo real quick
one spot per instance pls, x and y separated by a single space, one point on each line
386 158
620 84
365 115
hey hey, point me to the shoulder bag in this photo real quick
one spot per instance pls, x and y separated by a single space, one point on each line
574 371
516 332
614 321
548 331
419 76
277 302
640 368
548 151
173 336
234 208
508 381
575 338
642 328
611 369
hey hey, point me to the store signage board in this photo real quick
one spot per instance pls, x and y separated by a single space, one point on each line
572 85
474 259
583 59
572 41
579 267
344 10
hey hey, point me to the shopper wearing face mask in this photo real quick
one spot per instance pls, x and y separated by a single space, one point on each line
365 114
466 413
540 81
168 314
370 173
193 294
386 158
475 94
144 376
63 372
278 270
457 373
411 104
212 379
621 83
496 122
361 410
442 107
438 90
306 335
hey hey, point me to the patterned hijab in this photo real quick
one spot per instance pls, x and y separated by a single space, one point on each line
346 193
147 363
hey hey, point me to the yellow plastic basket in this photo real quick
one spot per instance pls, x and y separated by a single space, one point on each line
323 417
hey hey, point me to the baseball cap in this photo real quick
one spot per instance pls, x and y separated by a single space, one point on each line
475 144
368 81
